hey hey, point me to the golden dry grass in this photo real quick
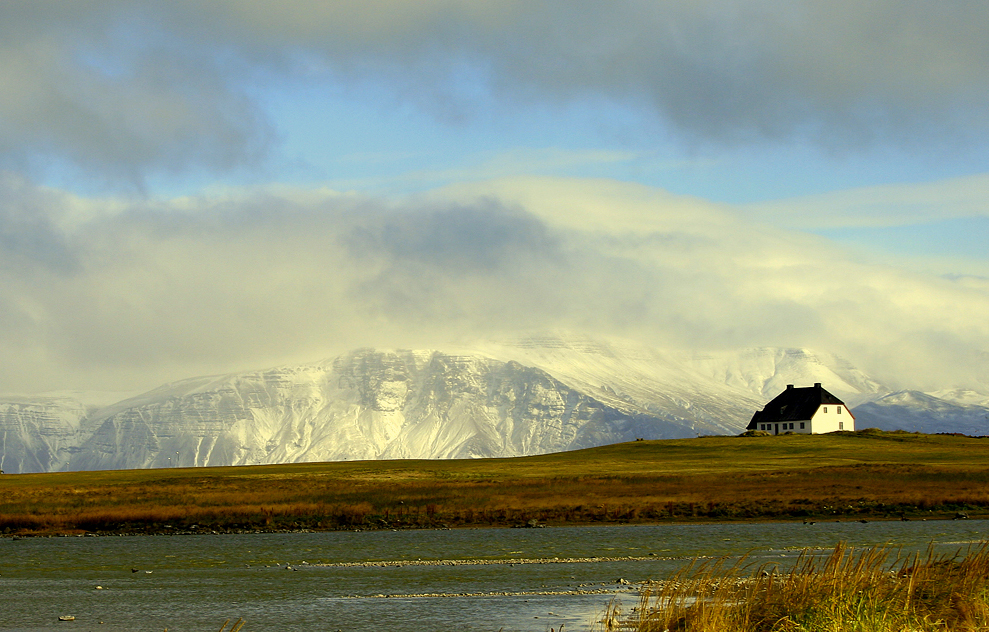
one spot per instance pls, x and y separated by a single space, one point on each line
872 590
849 475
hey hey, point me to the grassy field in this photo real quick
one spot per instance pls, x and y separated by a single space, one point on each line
845 476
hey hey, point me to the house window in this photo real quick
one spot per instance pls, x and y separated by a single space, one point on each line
801 425
841 425
825 409
839 410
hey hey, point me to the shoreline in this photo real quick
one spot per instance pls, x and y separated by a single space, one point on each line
206 531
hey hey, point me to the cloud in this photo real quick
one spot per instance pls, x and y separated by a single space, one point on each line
29 235
881 206
100 88
119 89
722 70
936 227
163 289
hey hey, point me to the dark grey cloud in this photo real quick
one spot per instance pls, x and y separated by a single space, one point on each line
106 89
29 235
457 266
838 72
462 239
123 88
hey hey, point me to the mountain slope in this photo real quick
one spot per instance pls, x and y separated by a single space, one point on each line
531 395
767 371
39 434
365 405
634 376
914 411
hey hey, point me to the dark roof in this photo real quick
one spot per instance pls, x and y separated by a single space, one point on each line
794 404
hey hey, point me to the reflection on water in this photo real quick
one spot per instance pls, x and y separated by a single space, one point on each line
403 581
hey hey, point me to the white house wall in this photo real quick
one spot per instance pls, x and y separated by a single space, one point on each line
831 418
807 427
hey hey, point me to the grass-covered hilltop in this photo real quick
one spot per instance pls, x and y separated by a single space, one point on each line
840 476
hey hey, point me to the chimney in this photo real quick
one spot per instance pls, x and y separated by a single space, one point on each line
817 385
789 387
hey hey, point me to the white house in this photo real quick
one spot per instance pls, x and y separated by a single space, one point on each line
808 410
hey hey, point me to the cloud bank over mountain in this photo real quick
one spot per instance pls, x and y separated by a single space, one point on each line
130 293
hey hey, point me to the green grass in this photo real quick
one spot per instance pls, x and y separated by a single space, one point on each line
843 475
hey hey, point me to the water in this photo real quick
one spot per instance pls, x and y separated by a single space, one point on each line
510 581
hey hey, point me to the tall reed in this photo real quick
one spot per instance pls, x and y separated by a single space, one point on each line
873 590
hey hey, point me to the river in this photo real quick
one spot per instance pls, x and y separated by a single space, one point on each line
524 580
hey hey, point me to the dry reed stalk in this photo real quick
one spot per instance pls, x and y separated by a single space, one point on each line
872 590
238 624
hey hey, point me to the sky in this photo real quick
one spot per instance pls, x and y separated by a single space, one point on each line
192 188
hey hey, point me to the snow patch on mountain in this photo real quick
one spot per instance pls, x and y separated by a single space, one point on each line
634 378
914 411
528 395
40 433
368 404
766 372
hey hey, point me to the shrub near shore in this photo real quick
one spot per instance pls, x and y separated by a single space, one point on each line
848 476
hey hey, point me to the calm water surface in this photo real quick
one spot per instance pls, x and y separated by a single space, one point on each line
196 582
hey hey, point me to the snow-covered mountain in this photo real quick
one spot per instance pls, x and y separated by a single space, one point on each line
40 433
530 395
368 404
766 372
914 411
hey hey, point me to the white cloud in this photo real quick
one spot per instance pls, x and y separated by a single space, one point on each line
932 227
880 206
160 290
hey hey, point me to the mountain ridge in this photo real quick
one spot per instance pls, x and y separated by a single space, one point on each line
530 395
